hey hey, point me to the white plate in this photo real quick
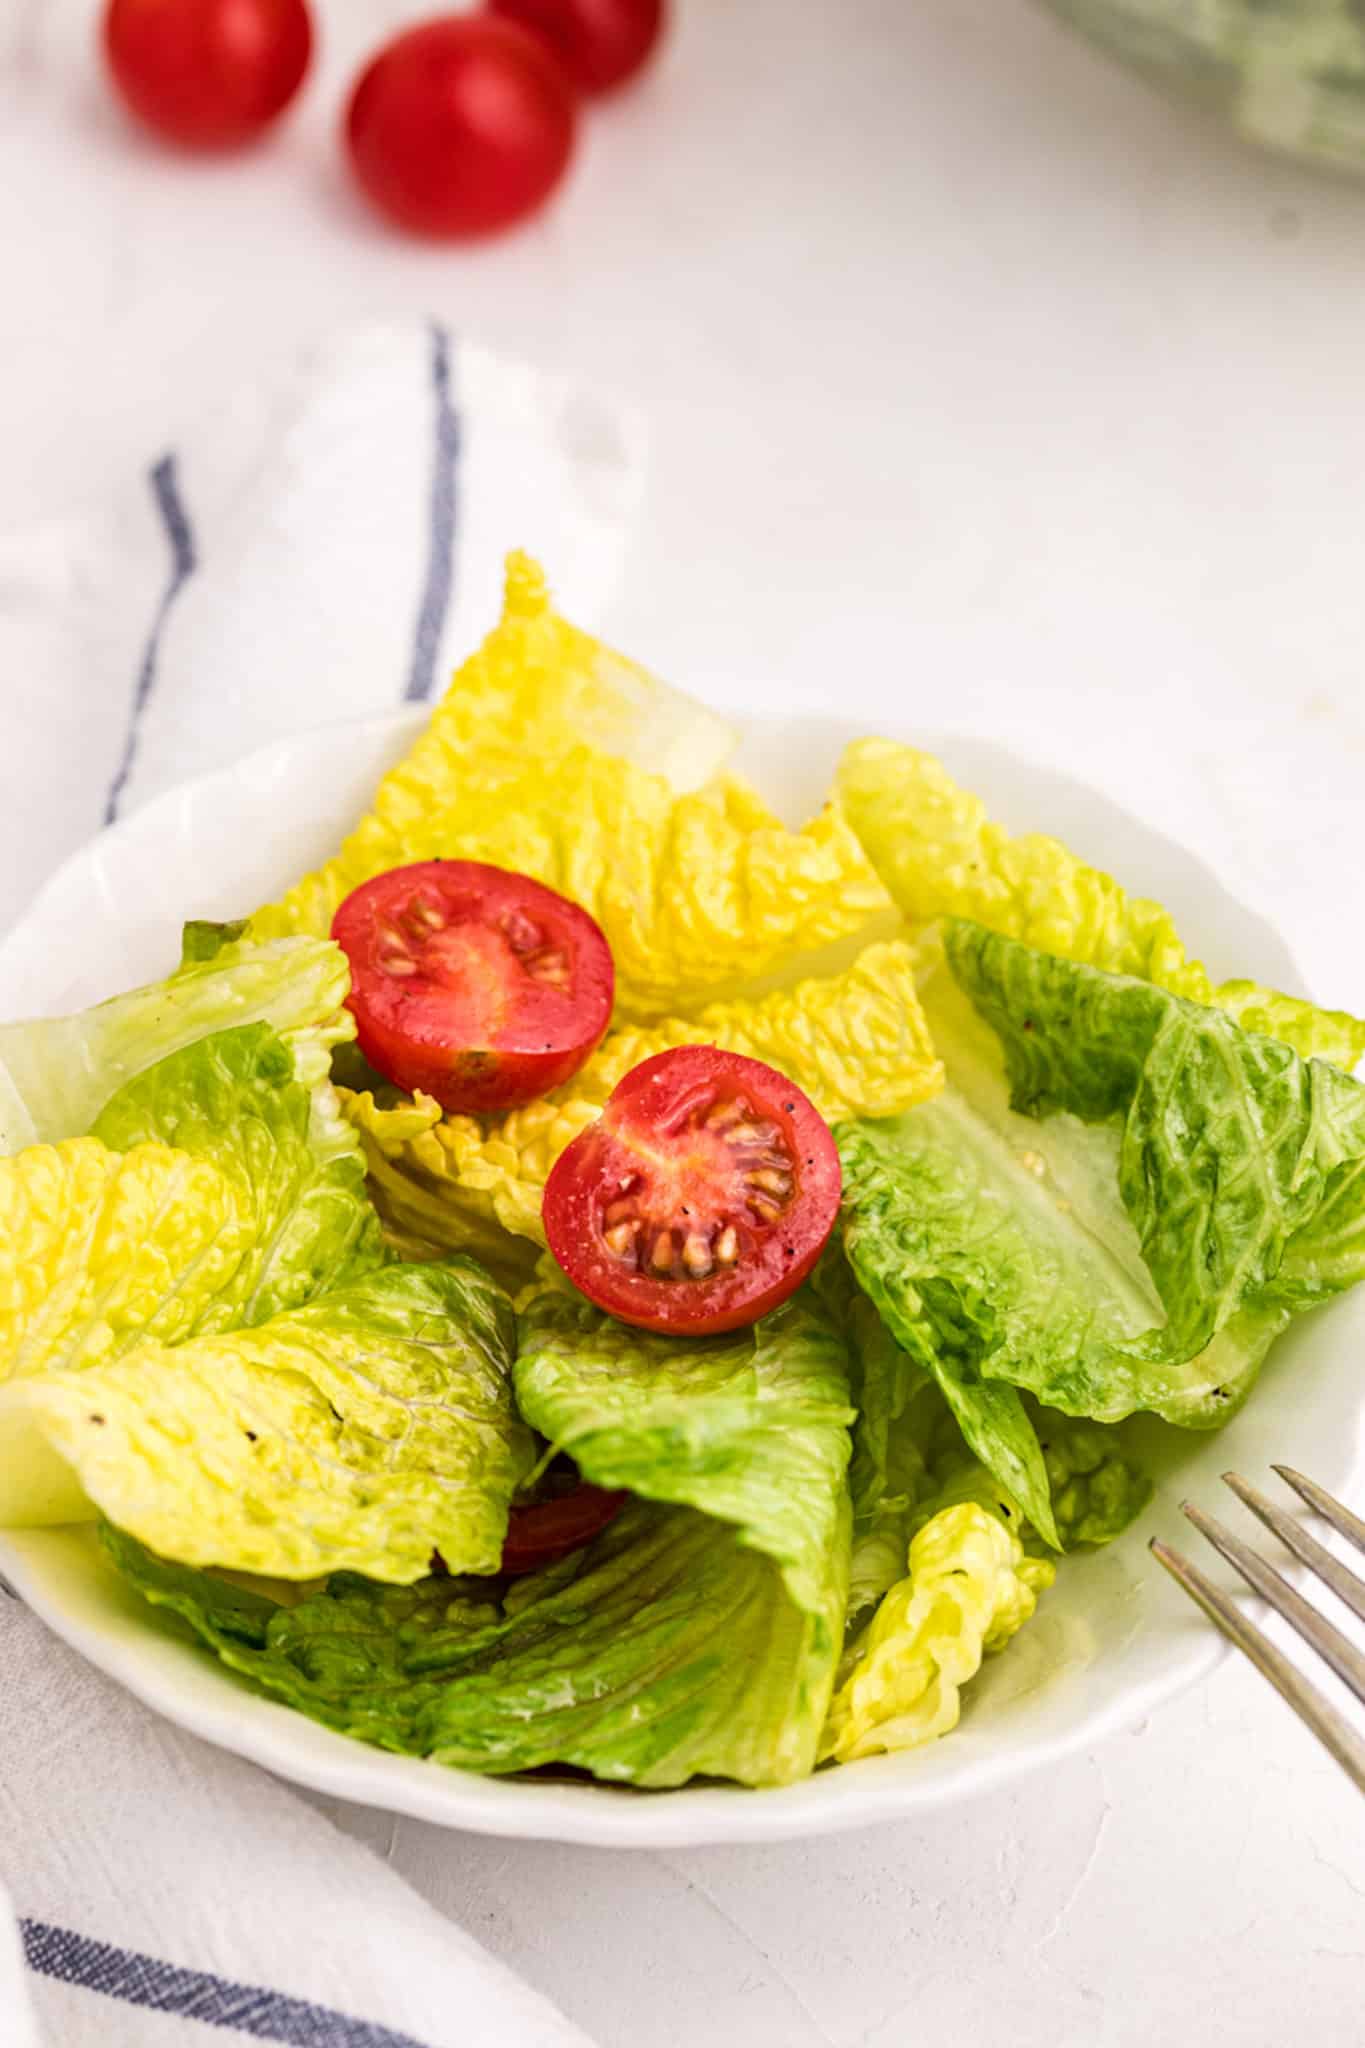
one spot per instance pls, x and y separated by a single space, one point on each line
1113 1638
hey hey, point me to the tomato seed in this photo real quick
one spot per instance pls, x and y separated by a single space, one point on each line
697 1257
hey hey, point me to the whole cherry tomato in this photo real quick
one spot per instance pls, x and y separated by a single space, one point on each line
208 74
600 43
461 126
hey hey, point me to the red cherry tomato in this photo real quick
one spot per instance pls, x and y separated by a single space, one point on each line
700 1198
481 987
208 74
549 1529
600 43
461 126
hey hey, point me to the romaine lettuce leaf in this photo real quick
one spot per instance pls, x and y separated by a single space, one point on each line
970 1588
56 1073
553 756
957 1274
264 1112
856 1042
361 1432
1097 1488
898 1406
940 855
1240 1165
750 1427
663 1651
217 1188
101 1249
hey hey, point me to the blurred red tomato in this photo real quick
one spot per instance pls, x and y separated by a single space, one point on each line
461 126
208 74
600 43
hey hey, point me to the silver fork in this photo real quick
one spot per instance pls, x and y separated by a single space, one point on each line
1331 1728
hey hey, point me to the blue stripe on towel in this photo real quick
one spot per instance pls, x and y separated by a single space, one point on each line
184 561
435 605
195 1994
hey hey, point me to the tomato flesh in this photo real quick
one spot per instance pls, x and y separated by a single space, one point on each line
478 986
461 126
700 1198
546 1530
208 74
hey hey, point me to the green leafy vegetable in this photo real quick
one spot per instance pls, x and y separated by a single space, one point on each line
56 1073
749 1427
1240 1165
954 1272
664 1651
217 1189
941 855
265 1114
898 1406
1097 1490
969 1588
360 1432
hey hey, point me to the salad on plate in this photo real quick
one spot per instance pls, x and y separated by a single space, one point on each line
593 1278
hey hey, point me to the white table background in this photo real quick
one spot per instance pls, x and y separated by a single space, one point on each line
981 384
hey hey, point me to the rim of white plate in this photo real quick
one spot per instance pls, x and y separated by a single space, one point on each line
62 1576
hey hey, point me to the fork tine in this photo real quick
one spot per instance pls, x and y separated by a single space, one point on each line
1332 1730
1324 1504
1295 1537
1331 1645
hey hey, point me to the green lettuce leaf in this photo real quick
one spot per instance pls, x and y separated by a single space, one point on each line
898 1408
665 1650
749 1427
264 1112
56 1073
954 1274
361 1432
1118 1202
218 1188
1240 1166
1097 1488
969 1588
941 855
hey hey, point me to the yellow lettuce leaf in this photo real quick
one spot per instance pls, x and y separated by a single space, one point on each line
357 1433
855 1042
941 855
553 756
101 1248
970 1588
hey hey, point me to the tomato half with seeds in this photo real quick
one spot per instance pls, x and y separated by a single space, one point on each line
546 1530
477 985
700 1198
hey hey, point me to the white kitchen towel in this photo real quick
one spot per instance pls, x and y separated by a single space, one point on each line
320 544
168 1896
324 543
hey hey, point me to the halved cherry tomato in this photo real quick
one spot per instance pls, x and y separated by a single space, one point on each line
700 1198
479 986
547 1530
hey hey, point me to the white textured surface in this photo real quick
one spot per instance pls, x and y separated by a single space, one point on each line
980 382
